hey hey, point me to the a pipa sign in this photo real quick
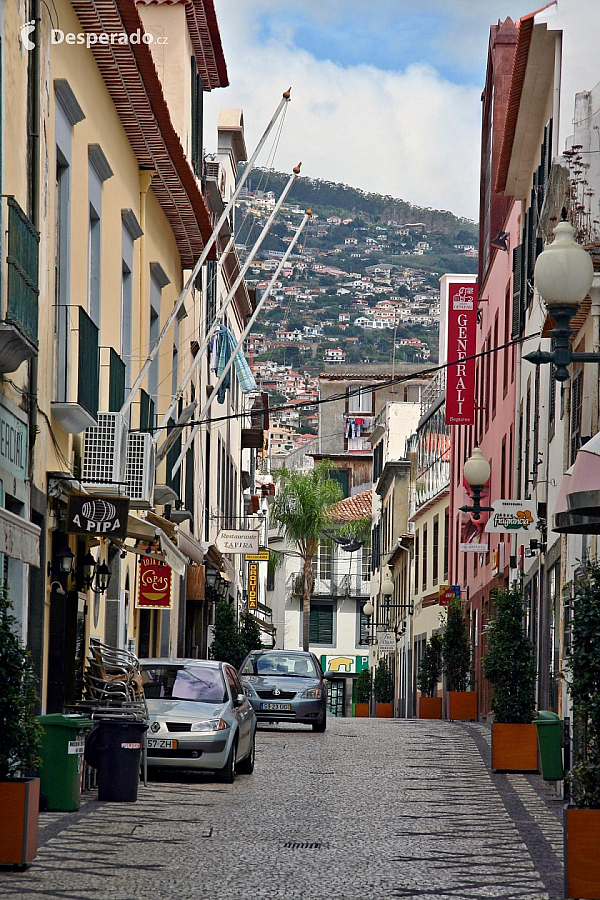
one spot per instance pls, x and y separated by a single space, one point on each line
99 516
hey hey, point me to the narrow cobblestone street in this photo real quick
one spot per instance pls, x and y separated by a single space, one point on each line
371 809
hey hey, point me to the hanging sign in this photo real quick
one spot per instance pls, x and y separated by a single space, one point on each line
386 640
460 376
513 517
101 516
252 585
154 584
237 541
448 592
261 556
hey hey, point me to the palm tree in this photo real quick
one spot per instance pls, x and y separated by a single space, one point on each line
300 509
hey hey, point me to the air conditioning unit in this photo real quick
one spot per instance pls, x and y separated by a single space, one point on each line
212 170
141 469
105 455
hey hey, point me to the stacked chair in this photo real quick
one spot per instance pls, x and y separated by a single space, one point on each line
113 687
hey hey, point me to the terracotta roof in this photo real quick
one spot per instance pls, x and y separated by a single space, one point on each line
525 26
358 506
206 40
132 80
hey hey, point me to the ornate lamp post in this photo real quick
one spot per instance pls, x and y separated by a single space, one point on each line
564 272
477 473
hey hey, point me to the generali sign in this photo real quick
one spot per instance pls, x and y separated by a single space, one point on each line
460 376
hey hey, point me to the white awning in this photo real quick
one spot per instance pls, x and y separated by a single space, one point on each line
173 556
19 538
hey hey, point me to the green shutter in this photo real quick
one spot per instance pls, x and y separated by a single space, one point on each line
517 305
321 623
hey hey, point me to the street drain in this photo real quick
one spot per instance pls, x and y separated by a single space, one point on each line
305 845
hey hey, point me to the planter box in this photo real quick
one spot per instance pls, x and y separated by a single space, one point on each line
361 710
461 705
19 808
514 747
384 710
582 862
430 707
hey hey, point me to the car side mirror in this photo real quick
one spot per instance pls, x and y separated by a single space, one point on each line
328 676
239 700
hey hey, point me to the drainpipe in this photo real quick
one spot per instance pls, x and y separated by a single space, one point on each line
595 313
33 200
145 180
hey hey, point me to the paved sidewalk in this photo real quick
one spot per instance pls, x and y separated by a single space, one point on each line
371 809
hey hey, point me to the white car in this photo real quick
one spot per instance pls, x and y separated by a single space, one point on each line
200 717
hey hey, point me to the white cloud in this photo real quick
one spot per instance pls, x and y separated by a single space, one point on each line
411 134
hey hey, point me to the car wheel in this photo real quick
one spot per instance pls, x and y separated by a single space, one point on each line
246 766
321 725
228 772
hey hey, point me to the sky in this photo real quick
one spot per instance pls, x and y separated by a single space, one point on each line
386 94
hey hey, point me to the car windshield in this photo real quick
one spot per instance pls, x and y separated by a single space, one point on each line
184 683
286 664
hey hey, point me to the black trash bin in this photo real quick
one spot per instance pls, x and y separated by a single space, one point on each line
114 748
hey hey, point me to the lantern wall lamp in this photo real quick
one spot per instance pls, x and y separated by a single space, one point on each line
477 473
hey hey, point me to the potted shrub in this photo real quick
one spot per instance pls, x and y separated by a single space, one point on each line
582 816
430 670
362 693
383 688
461 703
509 666
20 742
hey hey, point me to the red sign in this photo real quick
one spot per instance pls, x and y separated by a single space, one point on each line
460 376
154 584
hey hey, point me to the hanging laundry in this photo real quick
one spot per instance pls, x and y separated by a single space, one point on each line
226 345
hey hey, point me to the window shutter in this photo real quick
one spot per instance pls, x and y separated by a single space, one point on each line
321 623
516 298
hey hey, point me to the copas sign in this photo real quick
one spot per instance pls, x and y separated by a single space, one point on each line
512 517
460 376
154 584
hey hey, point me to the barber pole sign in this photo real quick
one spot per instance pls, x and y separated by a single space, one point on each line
460 376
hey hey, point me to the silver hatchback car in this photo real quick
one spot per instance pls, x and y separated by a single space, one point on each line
200 717
286 686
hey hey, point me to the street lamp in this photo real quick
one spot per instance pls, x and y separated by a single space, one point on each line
477 473
563 275
96 576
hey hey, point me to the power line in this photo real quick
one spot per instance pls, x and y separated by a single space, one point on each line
363 388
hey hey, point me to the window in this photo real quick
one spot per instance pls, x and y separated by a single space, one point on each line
507 350
446 541
435 548
321 623
424 566
362 636
325 561
495 367
576 401
527 437
197 138
503 493
360 400
211 293
94 266
366 560
126 324
417 559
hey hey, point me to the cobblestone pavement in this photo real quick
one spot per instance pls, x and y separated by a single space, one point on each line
371 809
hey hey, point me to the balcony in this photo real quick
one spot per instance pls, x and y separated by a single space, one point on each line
19 319
78 370
357 432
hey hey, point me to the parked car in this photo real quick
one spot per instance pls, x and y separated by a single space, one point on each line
200 717
286 686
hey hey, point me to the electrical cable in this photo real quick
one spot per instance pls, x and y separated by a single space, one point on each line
363 388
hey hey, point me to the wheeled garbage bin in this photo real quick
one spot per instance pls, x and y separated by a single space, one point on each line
549 731
114 748
62 753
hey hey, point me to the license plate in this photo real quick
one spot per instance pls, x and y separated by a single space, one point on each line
157 744
280 706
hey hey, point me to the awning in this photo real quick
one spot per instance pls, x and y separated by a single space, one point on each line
578 512
173 556
19 538
190 546
140 529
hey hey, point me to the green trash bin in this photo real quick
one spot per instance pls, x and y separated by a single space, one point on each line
549 731
62 755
